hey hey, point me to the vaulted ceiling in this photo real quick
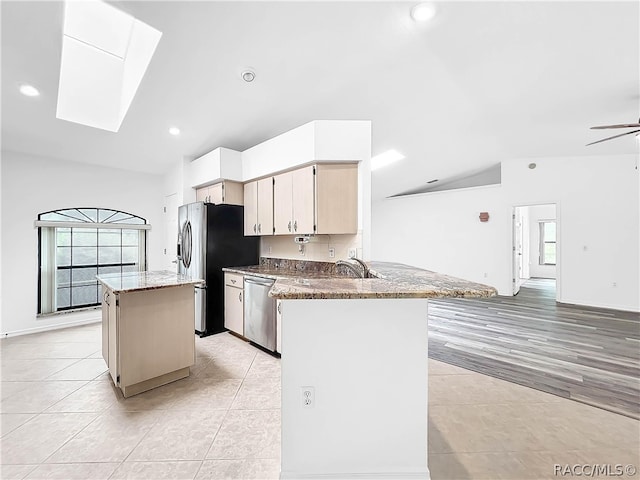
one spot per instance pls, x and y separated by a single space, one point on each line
483 83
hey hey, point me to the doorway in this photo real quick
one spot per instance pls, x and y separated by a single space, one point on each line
534 244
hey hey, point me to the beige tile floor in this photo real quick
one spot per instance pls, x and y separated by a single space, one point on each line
63 419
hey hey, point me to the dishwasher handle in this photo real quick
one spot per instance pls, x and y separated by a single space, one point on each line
267 282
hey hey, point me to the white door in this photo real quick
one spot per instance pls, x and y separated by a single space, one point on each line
171 232
517 249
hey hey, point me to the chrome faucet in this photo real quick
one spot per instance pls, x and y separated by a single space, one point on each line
351 267
365 267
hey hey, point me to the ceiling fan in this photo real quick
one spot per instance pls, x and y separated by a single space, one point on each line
624 125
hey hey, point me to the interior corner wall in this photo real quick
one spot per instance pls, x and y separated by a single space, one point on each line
598 207
32 185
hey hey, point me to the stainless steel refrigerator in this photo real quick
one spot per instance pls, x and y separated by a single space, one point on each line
211 237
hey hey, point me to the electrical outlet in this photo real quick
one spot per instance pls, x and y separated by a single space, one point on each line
332 252
351 253
615 284
486 274
308 397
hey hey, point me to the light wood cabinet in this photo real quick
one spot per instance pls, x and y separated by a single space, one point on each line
258 207
318 199
227 192
234 303
148 337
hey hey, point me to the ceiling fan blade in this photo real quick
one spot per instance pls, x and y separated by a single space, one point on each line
624 125
615 136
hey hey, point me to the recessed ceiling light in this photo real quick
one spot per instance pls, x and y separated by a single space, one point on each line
29 90
174 131
385 158
248 75
423 12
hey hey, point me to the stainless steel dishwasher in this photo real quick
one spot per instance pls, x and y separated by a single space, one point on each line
259 312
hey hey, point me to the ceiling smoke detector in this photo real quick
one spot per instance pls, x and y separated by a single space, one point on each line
248 76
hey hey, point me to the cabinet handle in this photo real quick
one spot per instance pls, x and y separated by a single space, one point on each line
259 228
240 296
295 226
279 308
105 297
254 228
233 280
289 225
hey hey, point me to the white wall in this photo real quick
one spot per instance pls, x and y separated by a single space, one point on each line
598 203
31 185
287 150
442 232
538 213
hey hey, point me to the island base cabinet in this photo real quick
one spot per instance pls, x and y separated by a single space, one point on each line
368 409
151 338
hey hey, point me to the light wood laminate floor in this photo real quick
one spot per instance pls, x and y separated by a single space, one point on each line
590 355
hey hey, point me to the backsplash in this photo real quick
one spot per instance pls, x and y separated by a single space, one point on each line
316 250
298 265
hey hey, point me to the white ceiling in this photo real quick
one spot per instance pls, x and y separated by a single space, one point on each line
487 81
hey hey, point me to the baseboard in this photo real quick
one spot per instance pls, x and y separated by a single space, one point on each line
422 475
605 306
85 320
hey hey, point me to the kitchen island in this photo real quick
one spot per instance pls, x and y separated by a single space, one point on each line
354 369
147 328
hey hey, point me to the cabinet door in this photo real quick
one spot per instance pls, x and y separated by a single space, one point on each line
303 194
265 206
105 324
233 309
282 207
216 193
251 208
202 194
113 362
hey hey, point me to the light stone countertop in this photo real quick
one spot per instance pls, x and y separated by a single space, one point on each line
134 281
394 280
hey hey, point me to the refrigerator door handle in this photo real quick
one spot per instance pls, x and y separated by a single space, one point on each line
186 249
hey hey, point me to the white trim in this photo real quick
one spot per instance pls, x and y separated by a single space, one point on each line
422 475
47 328
112 226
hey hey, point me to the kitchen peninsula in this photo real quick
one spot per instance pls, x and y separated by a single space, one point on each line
354 368
147 328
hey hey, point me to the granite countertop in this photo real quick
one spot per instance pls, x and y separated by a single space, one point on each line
266 271
133 281
394 280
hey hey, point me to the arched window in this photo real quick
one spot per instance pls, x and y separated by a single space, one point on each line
77 244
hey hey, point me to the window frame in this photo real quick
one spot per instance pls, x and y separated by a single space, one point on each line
542 242
47 248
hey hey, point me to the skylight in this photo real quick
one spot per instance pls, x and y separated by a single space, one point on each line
105 54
